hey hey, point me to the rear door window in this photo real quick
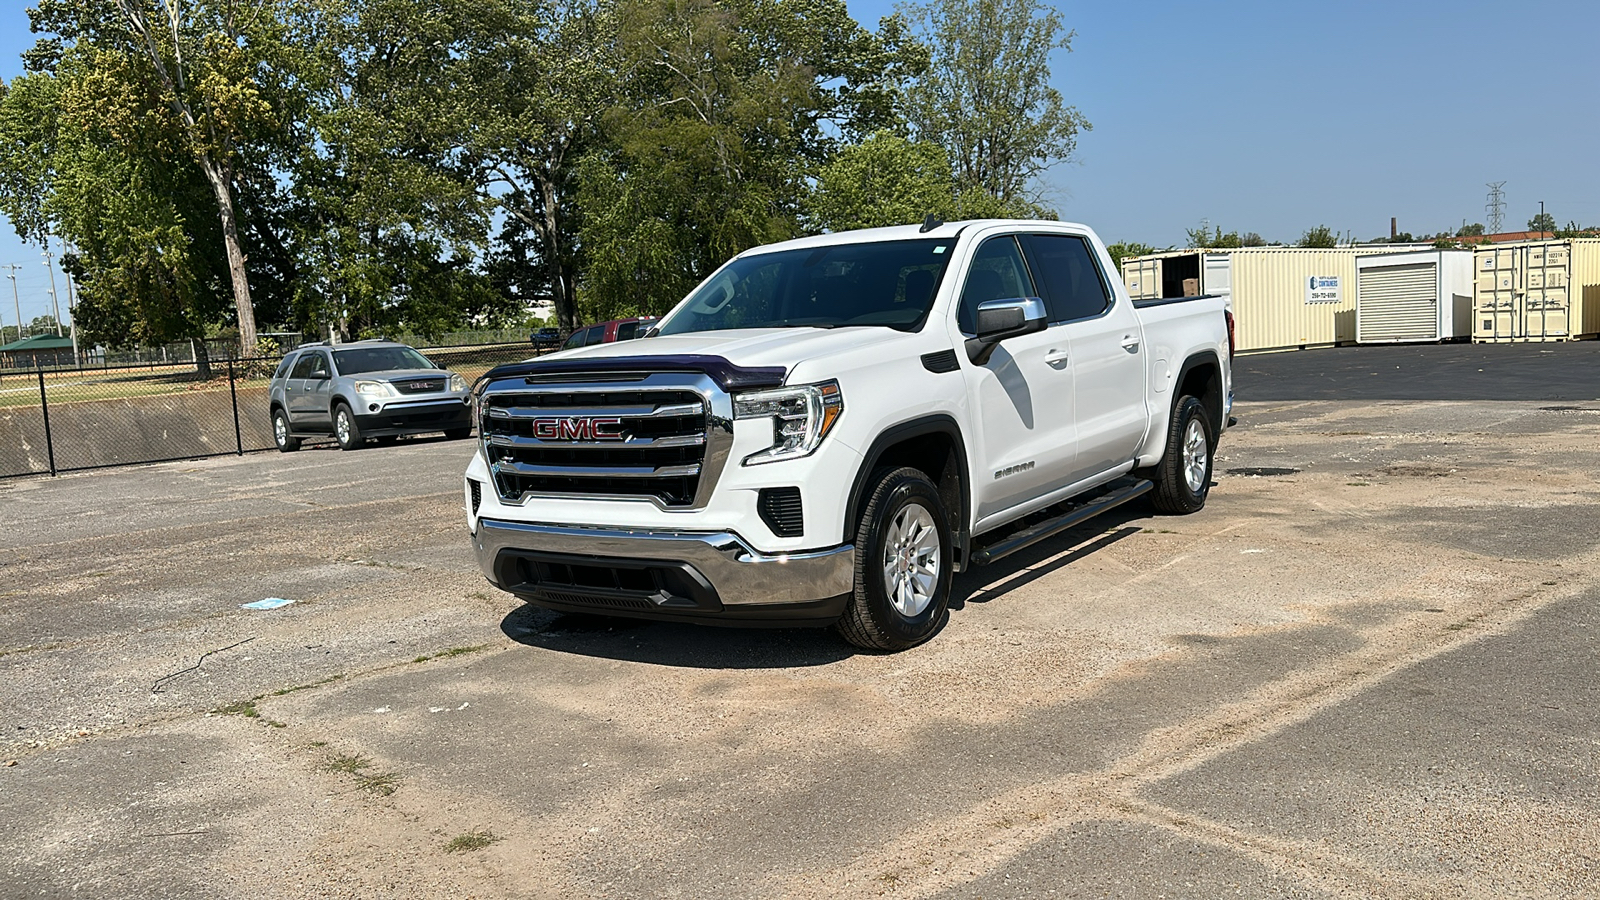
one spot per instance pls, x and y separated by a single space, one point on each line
1073 286
627 330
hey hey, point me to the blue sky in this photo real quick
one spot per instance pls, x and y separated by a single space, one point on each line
1272 117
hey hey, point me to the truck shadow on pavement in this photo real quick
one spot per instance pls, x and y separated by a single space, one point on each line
712 647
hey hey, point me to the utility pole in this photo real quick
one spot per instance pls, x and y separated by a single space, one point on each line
1541 218
15 298
72 312
53 301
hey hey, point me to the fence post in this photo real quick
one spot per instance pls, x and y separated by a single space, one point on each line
49 442
238 438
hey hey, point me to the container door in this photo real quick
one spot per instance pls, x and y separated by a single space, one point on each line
1218 276
1398 303
1143 278
1546 309
1498 314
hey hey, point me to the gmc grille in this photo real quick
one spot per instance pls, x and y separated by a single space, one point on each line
541 438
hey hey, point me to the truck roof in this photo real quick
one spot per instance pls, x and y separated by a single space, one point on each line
896 233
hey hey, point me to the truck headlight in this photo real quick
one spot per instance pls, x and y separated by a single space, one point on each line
457 383
376 389
801 417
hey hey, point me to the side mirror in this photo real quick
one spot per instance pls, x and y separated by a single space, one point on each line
1001 319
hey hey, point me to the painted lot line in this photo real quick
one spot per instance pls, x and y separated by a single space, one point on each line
1370 677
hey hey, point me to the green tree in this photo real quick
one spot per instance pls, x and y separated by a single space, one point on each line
537 81
385 221
884 180
1320 236
1123 249
1214 239
722 118
1473 230
986 97
1542 222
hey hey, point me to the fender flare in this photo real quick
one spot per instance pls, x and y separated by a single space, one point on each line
1195 361
934 423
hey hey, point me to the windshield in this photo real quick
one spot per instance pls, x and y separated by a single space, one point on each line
889 284
379 359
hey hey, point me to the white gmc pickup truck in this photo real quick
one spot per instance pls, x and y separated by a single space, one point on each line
827 429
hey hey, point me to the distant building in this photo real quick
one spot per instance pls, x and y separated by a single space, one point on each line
37 351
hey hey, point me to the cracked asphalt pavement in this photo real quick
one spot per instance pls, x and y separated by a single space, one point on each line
1372 674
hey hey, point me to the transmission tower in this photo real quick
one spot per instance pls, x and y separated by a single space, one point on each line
1495 209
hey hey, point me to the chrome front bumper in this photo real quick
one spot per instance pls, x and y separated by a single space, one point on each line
741 578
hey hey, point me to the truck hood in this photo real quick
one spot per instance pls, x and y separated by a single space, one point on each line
746 347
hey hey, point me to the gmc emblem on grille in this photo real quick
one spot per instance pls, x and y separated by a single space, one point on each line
578 428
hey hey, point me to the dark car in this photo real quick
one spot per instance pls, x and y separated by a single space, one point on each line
546 337
606 332
365 389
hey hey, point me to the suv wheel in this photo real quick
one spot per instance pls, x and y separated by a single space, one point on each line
902 587
281 435
345 429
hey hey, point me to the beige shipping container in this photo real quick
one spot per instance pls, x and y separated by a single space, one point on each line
1169 273
1537 291
1294 297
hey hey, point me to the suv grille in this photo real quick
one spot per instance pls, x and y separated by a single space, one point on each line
611 442
421 385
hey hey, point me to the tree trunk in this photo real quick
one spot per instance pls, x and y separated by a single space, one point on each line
560 277
202 359
220 185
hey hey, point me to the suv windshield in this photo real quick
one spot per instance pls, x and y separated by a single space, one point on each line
379 359
889 284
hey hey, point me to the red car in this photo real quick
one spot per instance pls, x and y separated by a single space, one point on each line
606 332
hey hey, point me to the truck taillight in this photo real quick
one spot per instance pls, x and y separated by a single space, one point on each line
1229 314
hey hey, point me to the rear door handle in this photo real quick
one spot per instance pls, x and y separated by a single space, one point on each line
1130 344
1056 359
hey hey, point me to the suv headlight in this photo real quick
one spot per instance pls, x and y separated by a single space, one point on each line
457 383
376 389
801 417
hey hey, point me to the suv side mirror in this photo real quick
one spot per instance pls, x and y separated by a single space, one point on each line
1001 319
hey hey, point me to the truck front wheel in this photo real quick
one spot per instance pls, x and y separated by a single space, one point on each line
1183 477
902 584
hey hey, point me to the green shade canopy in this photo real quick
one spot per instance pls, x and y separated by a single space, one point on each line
38 342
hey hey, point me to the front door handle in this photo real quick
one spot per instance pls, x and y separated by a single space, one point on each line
1056 359
1130 344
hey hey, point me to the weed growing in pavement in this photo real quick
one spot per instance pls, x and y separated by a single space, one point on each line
381 784
453 651
346 763
304 687
246 708
472 840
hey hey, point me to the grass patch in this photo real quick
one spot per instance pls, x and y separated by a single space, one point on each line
246 708
453 651
381 785
472 840
305 687
345 763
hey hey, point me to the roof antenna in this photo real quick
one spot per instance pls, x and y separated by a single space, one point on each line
929 224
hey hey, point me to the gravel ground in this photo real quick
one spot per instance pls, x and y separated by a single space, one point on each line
1368 674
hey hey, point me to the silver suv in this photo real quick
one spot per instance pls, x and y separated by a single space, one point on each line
365 389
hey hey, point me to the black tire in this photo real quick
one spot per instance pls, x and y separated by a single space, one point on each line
1174 494
873 620
346 432
456 434
281 433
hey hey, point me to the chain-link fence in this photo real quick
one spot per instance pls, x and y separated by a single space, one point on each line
64 420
